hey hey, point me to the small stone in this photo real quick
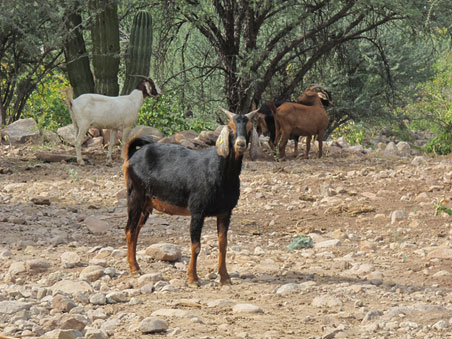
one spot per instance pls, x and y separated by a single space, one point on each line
164 251
70 259
246 308
152 325
98 299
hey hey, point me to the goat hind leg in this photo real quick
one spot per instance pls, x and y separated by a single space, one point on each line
110 145
222 229
81 132
137 217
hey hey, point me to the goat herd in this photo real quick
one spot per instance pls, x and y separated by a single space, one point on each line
198 183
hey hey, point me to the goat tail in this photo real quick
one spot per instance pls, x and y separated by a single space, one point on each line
69 97
135 144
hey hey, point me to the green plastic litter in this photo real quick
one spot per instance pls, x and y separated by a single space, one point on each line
300 241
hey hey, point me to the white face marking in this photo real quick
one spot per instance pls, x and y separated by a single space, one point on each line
159 92
148 88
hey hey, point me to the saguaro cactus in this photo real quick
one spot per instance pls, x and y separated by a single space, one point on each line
105 35
138 57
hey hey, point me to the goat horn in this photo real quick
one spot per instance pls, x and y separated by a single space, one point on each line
142 76
316 86
229 114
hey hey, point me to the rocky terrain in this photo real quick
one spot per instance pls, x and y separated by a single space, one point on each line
379 265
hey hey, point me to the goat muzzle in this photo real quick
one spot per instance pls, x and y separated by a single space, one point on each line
240 145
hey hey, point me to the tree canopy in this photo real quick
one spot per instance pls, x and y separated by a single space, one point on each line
369 55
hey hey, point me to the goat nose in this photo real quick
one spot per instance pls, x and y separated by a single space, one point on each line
241 143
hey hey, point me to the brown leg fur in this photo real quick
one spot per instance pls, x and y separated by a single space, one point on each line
222 228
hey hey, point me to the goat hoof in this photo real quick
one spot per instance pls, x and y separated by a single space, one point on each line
136 274
227 281
194 284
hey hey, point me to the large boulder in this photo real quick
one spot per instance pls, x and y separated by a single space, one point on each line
141 130
67 134
22 131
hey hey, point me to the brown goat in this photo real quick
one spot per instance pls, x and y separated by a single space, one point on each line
293 119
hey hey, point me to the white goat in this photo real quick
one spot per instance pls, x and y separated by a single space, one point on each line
114 113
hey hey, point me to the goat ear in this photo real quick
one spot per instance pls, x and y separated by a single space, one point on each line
322 96
254 144
223 142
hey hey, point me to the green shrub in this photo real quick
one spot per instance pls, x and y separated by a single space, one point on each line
162 114
353 132
47 104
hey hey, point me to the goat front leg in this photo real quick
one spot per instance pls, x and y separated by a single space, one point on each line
196 224
110 145
222 229
125 138
308 146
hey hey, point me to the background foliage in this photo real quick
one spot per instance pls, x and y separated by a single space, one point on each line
385 62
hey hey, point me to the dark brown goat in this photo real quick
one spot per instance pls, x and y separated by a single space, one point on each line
197 183
293 119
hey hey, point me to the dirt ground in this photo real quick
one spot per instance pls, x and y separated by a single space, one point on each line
380 266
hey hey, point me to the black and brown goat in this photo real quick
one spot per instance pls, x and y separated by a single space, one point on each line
179 181
294 119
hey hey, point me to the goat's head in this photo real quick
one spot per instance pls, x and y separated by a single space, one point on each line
242 130
309 96
148 87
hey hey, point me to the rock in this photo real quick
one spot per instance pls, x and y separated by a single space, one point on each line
169 312
164 251
149 277
152 325
404 149
326 301
67 134
70 259
95 334
221 303
96 225
341 142
50 137
391 149
98 299
55 157
73 321
419 160
440 253
60 334
17 268
397 216
62 303
72 287
288 289
328 243
246 308
141 130
208 137
11 307
92 273
117 297
22 131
